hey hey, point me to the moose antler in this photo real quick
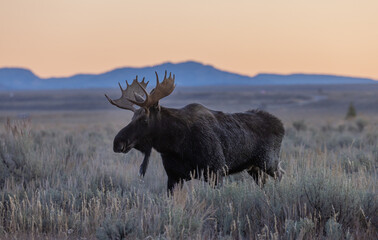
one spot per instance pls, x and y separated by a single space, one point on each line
131 93
161 90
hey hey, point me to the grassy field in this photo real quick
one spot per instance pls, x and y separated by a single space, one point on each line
59 178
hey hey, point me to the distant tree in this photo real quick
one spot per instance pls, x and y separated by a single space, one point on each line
351 111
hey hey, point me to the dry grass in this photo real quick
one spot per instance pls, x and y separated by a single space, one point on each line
68 184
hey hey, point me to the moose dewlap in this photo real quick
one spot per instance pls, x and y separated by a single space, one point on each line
195 141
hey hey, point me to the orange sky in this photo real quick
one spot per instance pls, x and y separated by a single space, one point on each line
60 38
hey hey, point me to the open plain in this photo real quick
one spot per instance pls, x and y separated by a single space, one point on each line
59 177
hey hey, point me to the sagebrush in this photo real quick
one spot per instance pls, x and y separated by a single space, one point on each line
69 184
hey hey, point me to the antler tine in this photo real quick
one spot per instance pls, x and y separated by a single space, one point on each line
127 83
157 79
145 83
120 86
165 76
110 100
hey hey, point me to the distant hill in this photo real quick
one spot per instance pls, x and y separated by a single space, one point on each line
187 74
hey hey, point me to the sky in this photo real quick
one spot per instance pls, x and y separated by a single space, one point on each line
62 38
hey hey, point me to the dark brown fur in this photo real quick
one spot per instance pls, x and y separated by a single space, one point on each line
194 141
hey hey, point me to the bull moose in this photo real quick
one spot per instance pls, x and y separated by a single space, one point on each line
195 141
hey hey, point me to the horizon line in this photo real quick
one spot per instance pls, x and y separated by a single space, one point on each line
188 61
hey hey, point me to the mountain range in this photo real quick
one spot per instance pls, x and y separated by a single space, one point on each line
188 73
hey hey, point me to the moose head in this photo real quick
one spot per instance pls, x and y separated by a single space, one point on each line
138 133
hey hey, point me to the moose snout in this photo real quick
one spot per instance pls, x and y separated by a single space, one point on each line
118 147
121 146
